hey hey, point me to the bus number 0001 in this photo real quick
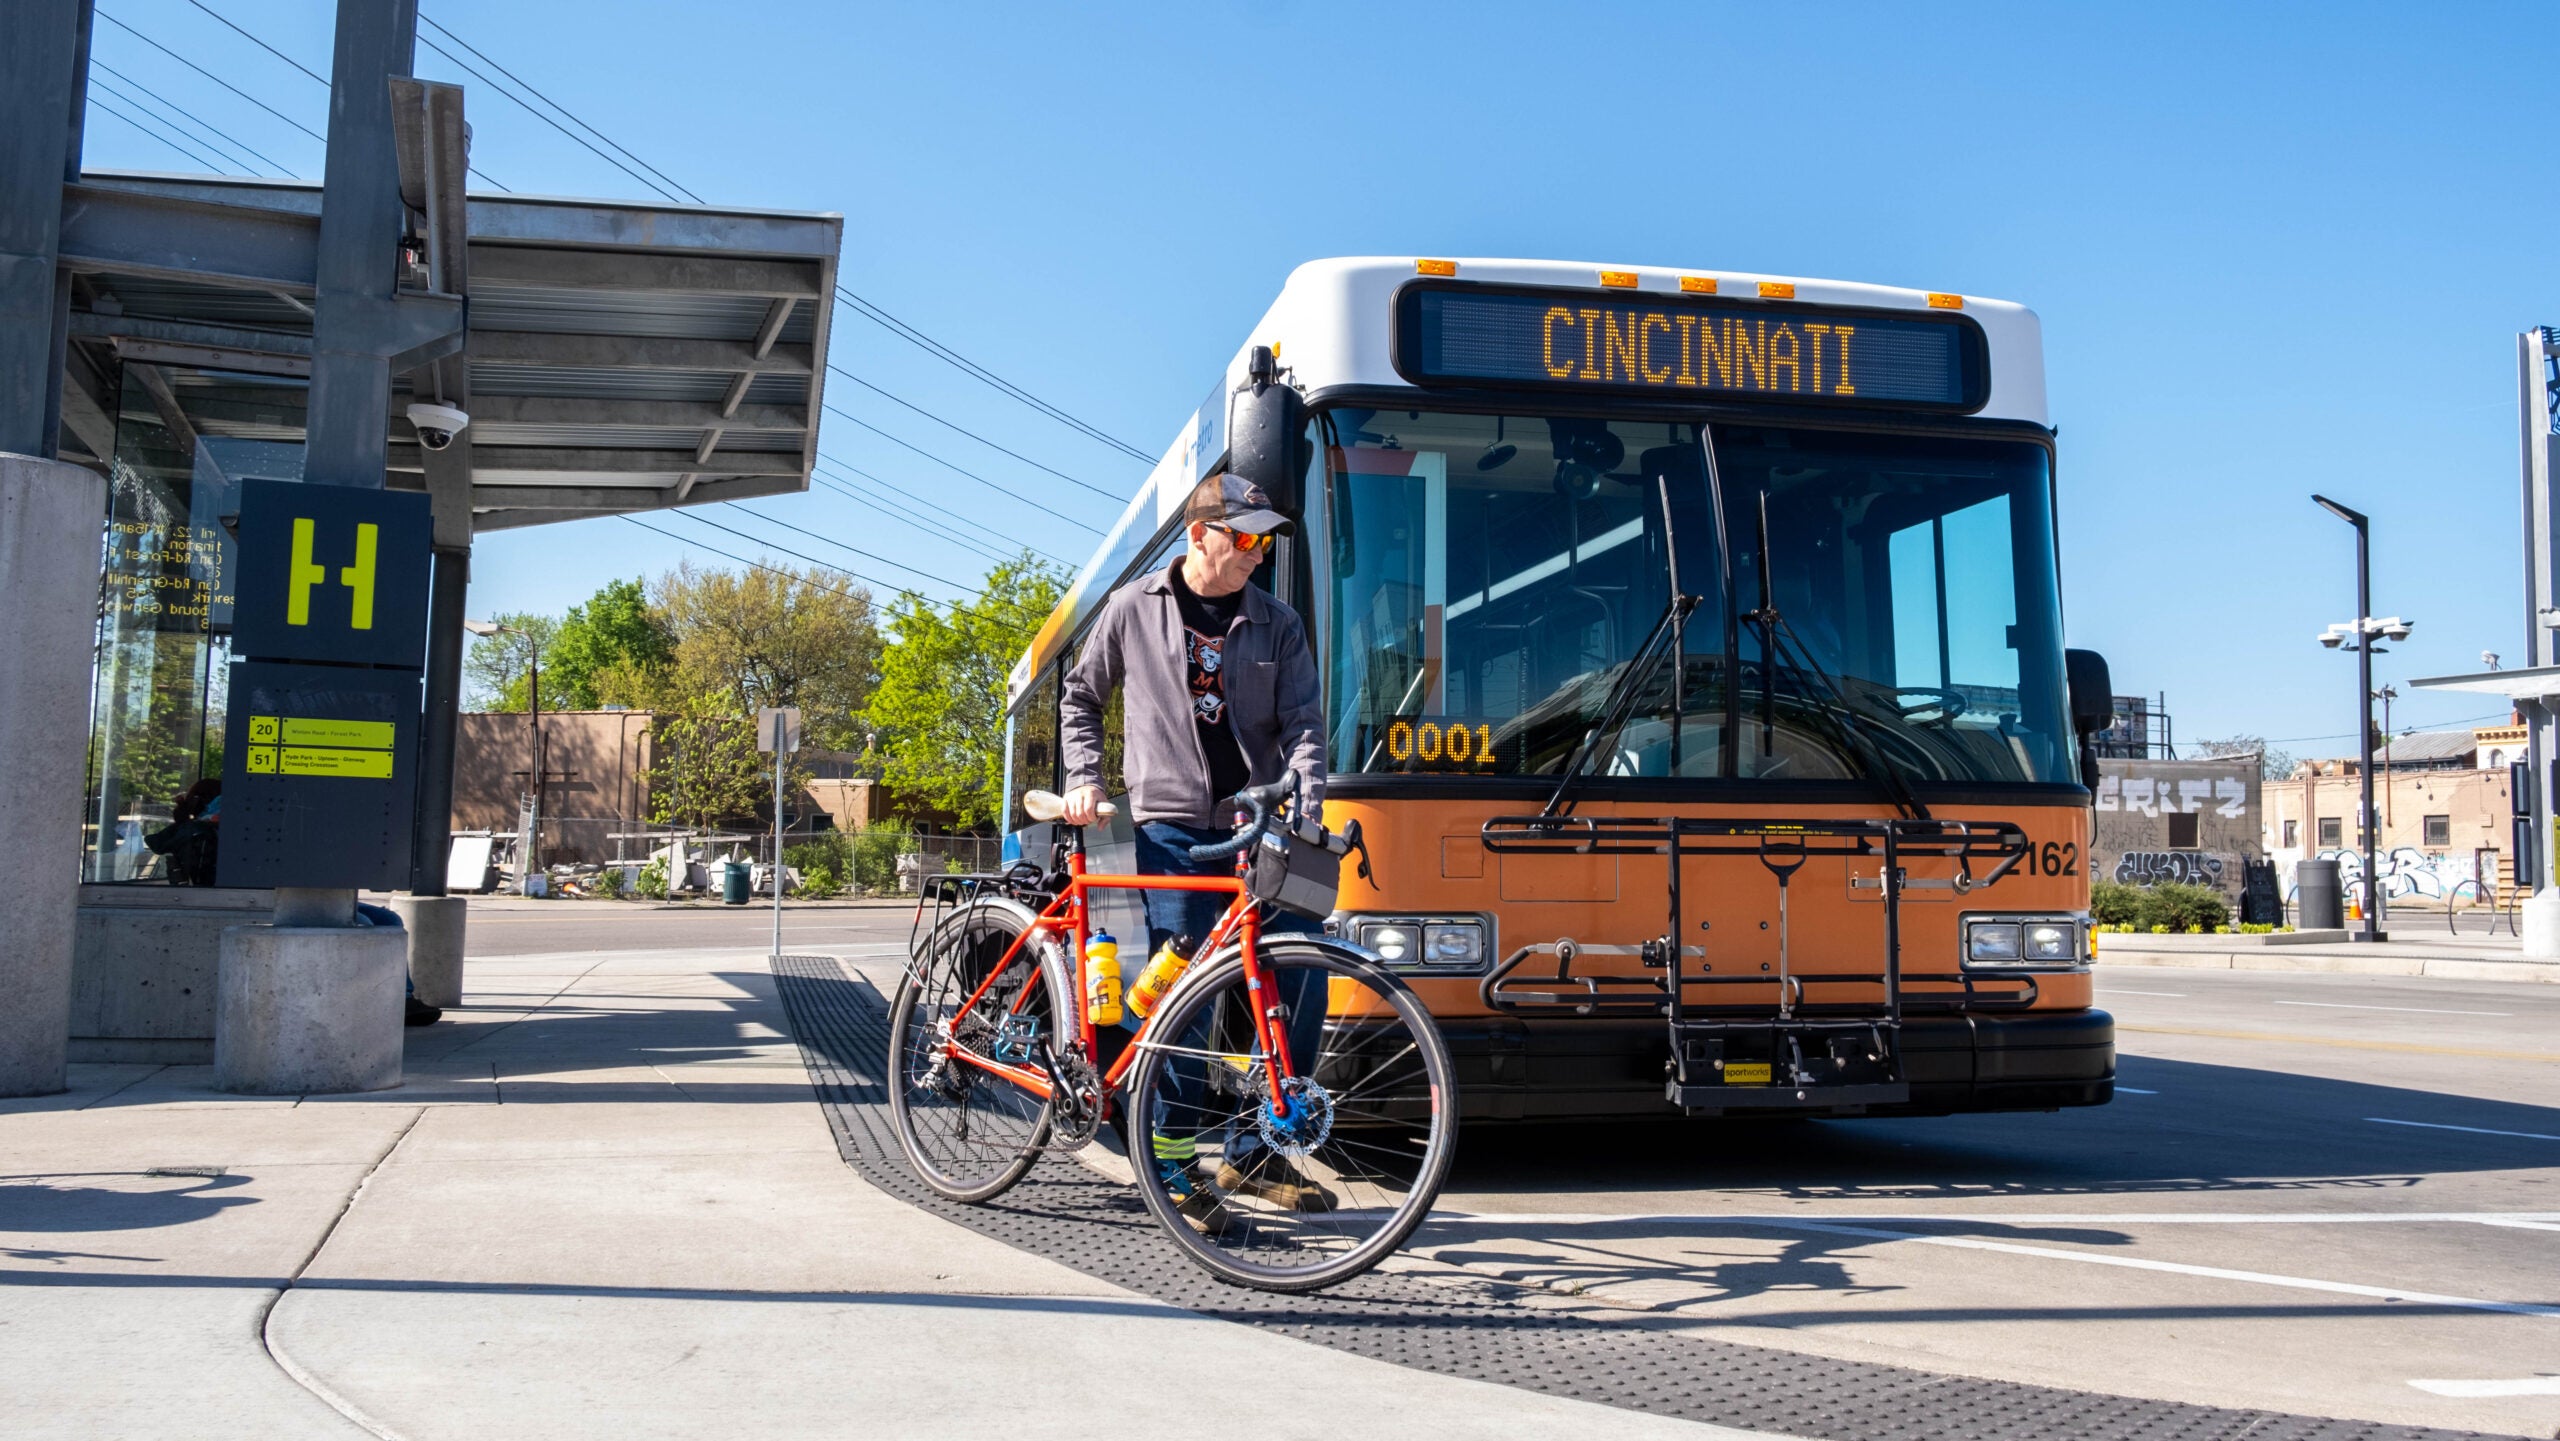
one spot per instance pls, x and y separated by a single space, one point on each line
1438 743
2053 858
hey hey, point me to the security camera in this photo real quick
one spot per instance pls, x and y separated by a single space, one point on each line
437 425
2331 639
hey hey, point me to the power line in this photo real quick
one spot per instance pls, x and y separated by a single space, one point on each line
964 430
216 79
840 545
538 115
447 33
911 520
156 135
261 44
942 520
956 470
948 356
200 122
776 570
671 188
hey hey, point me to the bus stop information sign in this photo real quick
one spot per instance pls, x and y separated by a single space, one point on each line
329 641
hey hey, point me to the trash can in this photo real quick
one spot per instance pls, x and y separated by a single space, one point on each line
734 887
2321 905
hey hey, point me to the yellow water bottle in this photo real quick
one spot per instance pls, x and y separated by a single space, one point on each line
1165 968
1102 979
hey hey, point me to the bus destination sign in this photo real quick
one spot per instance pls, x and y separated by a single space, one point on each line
1654 344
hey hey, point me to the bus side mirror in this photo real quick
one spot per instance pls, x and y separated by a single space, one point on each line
1267 437
2093 706
2093 692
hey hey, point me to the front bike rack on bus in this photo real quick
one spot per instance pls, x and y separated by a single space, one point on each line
1808 1050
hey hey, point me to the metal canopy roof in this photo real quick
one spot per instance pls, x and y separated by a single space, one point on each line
620 356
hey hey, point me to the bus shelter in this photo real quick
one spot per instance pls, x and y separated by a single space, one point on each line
183 336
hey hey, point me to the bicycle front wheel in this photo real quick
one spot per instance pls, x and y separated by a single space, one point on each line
1315 1196
969 1131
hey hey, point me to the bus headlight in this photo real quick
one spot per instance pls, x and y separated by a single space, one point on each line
2036 943
1423 943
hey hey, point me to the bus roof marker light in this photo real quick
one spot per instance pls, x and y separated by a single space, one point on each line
1777 290
1698 284
1435 267
1940 300
1618 279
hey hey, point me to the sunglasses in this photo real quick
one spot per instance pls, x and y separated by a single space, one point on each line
1245 541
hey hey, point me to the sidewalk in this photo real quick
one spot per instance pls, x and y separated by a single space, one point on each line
604 1205
2419 945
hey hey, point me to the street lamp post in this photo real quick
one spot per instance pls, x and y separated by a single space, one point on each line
2363 630
530 847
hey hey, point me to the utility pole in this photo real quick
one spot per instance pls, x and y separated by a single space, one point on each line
778 730
2364 630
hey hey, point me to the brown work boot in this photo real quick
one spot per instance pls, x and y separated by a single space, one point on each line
1269 1176
1205 1212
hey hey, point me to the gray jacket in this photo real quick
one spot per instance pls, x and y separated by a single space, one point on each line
1136 647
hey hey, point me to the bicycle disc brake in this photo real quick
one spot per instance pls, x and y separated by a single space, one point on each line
1310 1120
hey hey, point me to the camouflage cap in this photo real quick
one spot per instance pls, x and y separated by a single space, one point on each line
1236 503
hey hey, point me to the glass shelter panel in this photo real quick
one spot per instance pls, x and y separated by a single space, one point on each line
163 650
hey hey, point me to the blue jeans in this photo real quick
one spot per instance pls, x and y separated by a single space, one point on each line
1164 850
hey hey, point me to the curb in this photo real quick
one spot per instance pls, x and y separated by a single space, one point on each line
2258 960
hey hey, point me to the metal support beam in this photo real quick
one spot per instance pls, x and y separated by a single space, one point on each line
89 403
187 332
173 416
488 460
109 230
44 81
595 270
630 352
361 221
496 410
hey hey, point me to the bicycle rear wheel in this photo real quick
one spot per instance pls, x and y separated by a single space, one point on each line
970 1133
1326 1193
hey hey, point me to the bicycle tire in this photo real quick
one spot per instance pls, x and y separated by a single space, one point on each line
1269 1249
936 1108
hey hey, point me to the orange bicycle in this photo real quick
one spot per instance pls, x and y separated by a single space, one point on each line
1229 1080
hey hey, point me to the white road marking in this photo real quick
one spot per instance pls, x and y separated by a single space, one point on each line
2473 1130
2014 1218
2524 1225
2180 1268
2529 1386
2405 1010
2134 1091
2114 991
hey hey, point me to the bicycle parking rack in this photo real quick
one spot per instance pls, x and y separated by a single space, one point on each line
1805 1051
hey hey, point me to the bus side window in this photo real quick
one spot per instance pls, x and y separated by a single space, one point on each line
1035 745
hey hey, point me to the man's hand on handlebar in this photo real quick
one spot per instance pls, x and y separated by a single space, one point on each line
1083 806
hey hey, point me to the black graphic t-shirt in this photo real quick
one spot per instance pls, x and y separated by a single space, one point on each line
1205 622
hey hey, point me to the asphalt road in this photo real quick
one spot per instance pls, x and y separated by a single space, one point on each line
2327 1194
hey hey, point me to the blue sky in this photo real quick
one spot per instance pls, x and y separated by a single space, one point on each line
2277 249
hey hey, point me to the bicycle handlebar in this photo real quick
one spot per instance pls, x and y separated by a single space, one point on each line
1259 800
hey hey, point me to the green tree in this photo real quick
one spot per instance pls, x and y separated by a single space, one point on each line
706 771
771 637
609 651
938 711
498 667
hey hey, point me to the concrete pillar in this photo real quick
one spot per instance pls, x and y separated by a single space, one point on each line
51 516
299 1009
435 945
2542 925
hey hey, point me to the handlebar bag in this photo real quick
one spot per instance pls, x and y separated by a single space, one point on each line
1296 871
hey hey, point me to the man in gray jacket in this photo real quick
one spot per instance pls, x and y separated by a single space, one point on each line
1220 693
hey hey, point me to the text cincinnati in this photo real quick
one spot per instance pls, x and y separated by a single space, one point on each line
1729 352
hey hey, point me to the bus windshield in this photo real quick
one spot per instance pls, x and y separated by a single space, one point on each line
1489 578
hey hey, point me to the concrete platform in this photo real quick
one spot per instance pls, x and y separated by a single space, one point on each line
604 1204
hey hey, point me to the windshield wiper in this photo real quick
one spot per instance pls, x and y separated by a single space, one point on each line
1622 699
1777 638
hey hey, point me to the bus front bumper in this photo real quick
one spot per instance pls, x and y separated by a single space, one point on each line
1515 1070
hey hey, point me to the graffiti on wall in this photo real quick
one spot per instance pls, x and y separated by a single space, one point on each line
2183 868
2406 871
2148 796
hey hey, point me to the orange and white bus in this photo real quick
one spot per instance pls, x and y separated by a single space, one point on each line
1694 666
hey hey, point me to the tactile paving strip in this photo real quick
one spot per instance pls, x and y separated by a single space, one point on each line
1486 1331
